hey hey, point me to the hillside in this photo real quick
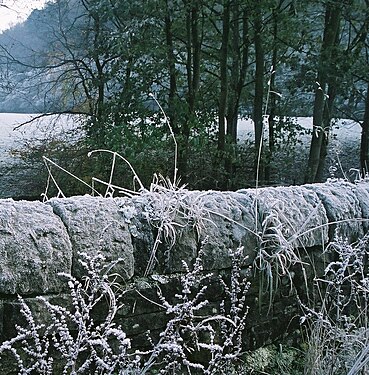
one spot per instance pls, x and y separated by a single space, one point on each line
27 81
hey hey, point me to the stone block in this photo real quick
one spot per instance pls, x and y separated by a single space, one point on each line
34 248
362 192
214 222
231 224
343 207
96 225
293 215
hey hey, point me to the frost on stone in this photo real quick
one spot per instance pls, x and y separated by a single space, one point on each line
343 207
293 214
362 193
129 212
174 224
96 225
232 225
34 247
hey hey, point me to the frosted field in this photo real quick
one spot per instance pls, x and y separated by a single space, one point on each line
12 132
348 131
345 132
342 158
12 181
11 127
344 144
8 121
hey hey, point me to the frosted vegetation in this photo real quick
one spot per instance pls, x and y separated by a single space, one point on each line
73 343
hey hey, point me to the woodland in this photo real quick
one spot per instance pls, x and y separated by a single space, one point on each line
207 64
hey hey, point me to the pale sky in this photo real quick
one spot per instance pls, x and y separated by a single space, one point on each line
15 11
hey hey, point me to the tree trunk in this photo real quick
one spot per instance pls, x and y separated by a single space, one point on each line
239 56
235 74
327 118
272 100
98 130
193 44
259 92
172 69
327 114
240 59
223 77
364 145
331 30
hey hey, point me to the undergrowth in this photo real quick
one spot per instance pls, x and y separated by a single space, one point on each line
74 341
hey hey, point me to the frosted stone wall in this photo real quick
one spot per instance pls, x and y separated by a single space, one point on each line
38 241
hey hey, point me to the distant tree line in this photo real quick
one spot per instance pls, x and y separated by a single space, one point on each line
208 63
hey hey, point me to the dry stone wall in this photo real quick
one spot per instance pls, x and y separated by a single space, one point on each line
40 240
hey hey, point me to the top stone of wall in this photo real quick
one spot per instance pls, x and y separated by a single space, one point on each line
38 241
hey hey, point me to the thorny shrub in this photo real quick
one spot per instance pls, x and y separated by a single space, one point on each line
73 341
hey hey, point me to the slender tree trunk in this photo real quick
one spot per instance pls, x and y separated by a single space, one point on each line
259 92
240 59
100 100
172 68
235 56
193 44
331 29
364 145
196 42
327 114
99 131
327 118
239 54
223 77
272 101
